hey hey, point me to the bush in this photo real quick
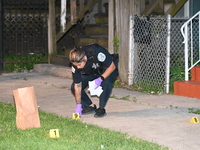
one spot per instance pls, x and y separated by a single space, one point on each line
21 63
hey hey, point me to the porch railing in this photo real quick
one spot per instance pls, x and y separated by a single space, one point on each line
191 49
77 12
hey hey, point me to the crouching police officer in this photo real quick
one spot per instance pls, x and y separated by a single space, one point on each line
92 63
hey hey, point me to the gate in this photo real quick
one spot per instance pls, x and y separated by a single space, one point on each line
157 55
150 46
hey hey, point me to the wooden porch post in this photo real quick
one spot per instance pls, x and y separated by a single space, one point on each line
63 15
111 25
73 11
1 37
52 48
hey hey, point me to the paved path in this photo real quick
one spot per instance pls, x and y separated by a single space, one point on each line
160 119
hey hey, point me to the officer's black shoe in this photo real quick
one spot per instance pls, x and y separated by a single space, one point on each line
89 110
100 113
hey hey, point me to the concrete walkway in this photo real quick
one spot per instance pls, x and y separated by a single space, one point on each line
162 119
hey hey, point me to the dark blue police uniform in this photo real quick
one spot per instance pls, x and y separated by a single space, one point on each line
98 59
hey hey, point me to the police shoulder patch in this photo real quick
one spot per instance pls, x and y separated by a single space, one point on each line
101 57
73 69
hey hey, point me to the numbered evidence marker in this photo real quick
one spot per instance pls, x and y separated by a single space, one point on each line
194 120
75 116
54 133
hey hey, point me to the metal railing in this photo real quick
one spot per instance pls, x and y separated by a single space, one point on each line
191 48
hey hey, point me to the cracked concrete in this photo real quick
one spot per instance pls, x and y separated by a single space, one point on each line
162 119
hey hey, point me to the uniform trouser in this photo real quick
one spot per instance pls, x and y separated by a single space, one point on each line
106 85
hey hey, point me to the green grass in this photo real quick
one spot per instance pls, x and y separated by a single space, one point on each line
74 135
194 111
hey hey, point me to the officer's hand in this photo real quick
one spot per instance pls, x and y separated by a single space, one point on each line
97 82
78 109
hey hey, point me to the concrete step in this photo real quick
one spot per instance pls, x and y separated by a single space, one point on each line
96 29
54 70
195 73
187 88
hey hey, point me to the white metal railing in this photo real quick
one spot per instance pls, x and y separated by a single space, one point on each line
187 32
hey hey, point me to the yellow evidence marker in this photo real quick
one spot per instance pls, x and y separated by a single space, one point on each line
54 133
75 116
194 120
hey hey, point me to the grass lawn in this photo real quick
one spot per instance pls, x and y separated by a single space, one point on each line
74 135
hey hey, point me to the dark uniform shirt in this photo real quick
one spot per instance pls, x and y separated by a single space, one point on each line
98 59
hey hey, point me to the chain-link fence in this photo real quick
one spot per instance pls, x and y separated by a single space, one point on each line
150 53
